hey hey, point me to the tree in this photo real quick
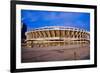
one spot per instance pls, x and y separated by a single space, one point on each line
23 30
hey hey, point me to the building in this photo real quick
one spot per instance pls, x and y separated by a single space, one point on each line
56 36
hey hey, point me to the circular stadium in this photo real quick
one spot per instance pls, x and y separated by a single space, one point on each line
56 36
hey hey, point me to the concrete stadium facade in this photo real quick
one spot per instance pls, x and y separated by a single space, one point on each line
56 36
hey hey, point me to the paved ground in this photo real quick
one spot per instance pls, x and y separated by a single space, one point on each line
57 53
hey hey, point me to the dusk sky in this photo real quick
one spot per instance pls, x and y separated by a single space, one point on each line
35 19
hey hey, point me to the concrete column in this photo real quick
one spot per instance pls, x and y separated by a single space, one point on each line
68 34
42 35
45 34
29 35
33 35
53 33
76 34
73 34
39 34
48 32
57 33
80 37
36 34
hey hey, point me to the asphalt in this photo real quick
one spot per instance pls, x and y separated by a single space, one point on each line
55 53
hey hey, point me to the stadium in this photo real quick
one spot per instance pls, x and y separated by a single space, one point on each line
56 43
56 36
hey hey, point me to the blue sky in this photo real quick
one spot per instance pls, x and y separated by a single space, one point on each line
35 19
